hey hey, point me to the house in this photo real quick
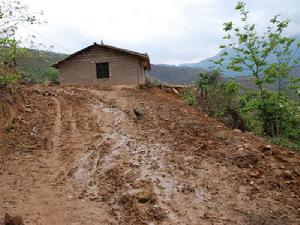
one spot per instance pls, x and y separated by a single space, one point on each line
104 65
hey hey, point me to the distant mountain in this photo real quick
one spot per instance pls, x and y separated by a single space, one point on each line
208 64
174 74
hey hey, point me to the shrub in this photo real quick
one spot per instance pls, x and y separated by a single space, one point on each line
152 81
189 97
51 75
9 78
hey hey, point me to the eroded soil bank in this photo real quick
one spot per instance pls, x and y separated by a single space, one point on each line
86 156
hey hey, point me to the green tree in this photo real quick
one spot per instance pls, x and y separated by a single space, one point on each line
207 80
252 52
11 51
12 14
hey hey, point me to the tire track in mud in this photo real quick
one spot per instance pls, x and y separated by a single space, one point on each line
72 138
102 158
147 163
57 125
43 202
86 165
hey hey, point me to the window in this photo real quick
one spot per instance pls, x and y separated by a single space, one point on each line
102 70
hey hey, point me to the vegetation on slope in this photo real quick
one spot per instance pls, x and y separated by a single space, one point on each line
272 113
34 65
17 62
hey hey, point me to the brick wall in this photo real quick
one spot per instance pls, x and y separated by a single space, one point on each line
124 69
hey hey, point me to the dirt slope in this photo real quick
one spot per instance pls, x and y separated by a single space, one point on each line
86 156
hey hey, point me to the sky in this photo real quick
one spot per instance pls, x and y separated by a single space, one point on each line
170 31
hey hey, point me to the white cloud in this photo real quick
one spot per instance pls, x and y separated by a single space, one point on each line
172 31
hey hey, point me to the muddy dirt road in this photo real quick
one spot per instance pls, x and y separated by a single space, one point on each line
86 156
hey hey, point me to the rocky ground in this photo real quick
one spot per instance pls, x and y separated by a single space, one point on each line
76 156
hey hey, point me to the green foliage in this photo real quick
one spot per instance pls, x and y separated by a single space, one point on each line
10 50
286 143
12 14
51 75
254 50
269 113
188 96
9 78
206 79
152 81
277 117
278 113
219 98
33 64
248 110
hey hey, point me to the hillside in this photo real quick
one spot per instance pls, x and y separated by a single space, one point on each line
130 156
174 74
35 62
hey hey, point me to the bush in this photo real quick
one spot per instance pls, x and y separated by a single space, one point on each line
286 143
152 81
51 75
189 97
275 116
219 98
9 78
